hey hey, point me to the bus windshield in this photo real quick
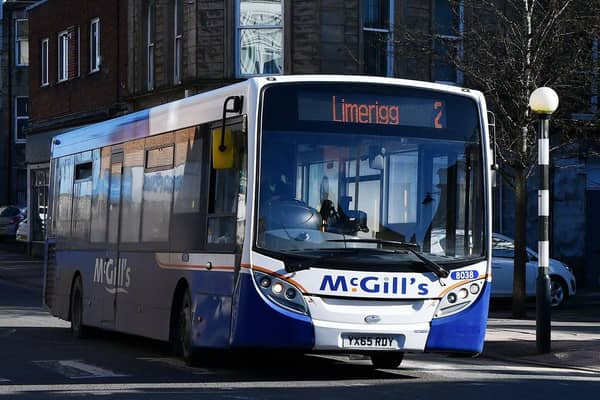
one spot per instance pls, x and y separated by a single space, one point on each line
346 170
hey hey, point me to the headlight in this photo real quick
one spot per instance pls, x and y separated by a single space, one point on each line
459 298
281 292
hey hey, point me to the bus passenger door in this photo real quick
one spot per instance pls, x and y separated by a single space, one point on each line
112 261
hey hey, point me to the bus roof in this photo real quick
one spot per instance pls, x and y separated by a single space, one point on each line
206 107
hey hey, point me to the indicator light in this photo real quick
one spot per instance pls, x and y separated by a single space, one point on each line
452 298
265 282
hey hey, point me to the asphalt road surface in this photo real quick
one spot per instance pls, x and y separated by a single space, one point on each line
39 359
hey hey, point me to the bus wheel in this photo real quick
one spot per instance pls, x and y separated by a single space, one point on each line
183 338
387 360
77 328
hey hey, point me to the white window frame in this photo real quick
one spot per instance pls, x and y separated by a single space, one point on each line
594 98
177 41
150 43
238 34
458 40
95 44
63 56
44 48
19 118
389 33
18 40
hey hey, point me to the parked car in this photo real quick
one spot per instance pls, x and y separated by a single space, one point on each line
10 217
23 231
563 284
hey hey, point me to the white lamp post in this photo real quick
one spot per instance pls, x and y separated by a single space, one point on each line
543 101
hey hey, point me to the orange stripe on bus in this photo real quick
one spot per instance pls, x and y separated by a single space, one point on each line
457 284
195 266
280 276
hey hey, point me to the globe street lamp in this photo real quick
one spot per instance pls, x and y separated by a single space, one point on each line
543 101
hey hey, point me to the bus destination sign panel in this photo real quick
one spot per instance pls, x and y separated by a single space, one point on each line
368 109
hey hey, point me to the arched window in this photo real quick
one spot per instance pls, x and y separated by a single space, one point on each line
259 37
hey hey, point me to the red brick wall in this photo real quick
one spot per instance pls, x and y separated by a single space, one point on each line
84 91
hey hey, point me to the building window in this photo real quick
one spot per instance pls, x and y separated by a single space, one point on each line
178 33
448 43
95 45
68 54
21 118
44 62
22 42
150 32
378 18
259 37
594 98
63 56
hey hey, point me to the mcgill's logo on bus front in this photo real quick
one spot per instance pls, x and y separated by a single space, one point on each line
373 284
114 274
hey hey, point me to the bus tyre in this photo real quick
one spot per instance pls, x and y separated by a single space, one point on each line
387 359
183 337
77 328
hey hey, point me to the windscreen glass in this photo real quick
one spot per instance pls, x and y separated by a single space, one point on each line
340 162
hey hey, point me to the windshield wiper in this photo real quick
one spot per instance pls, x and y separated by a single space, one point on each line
440 271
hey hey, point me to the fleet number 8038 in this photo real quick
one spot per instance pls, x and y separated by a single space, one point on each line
461 275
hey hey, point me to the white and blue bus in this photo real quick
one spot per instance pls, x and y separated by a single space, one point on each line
316 213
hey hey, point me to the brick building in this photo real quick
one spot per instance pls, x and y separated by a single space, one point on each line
78 76
178 45
151 52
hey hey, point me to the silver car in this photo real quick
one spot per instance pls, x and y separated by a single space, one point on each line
10 217
562 280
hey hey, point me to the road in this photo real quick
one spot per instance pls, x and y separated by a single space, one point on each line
39 359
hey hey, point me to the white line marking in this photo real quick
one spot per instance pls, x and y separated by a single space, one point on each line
76 369
175 362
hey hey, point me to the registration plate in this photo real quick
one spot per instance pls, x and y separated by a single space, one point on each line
370 342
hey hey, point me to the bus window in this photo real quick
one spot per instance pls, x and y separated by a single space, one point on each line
188 209
158 189
133 181
100 183
227 196
64 200
82 199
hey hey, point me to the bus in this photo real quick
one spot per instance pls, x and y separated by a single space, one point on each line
316 213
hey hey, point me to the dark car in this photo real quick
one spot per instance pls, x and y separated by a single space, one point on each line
10 217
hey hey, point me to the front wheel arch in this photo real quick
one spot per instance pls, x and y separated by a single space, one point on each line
181 331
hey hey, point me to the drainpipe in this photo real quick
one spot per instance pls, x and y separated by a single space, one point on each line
10 105
118 70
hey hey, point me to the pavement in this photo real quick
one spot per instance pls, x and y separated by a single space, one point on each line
575 333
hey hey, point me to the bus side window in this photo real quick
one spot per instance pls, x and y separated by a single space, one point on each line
131 201
189 211
100 185
64 200
157 190
226 187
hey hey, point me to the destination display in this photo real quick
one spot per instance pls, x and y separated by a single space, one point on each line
358 108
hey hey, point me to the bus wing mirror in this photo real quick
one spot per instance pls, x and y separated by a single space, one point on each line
222 140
